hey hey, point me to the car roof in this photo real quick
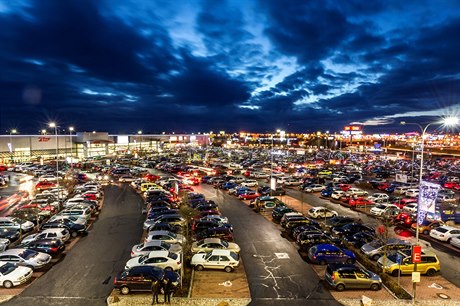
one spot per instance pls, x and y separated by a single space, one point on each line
212 240
220 252
158 254
159 233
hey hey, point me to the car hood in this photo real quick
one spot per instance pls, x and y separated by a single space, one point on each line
133 262
197 258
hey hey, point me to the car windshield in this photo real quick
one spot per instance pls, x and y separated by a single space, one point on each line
7 268
442 229
166 245
140 246
224 243
27 254
381 206
376 243
172 235
234 256
208 256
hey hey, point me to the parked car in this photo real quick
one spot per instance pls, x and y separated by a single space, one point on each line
322 212
249 183
165 236
329 253
307 241
314 188
351 228
52 247
427 226
162 259
140 279
429 264
377 248
208 244
12 275
16 223
359 239
455 241
74 229
50 233
337 222
154 245
215 232
444 233
11 234
384 210
25 257
216 259
279 212
341 277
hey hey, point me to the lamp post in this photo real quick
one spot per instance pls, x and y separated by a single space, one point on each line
140 142
13 131
53 125
71 129
450 121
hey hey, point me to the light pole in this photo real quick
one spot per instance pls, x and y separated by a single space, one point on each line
71 129
53 125
13 131
140 142
450 121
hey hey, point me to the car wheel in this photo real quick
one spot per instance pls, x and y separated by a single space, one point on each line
349 261
74 234
322 262
199 268
7 284
125 290
425 232
228 269
395 272
340 287
431 272
375 287
376 257
169 269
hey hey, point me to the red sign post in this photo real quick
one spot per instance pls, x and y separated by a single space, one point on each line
417 254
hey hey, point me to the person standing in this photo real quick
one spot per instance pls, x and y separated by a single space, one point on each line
155 291
168 290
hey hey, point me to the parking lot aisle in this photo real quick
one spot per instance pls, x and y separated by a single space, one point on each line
85 276
276 273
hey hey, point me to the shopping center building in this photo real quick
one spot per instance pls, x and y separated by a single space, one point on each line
20 148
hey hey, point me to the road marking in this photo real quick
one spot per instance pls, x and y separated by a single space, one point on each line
282 255
226 284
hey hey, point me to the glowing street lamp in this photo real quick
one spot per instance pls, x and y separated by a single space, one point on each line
13 131
450 121
53 125
71 129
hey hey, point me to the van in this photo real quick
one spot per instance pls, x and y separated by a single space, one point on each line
429 264
146 186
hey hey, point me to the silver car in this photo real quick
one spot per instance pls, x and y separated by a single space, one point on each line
155 245
376 248
25 257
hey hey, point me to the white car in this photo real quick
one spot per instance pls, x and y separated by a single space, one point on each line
16 223
322 212
250 183
293 182
126 179
411 207
314 188
49 233
161 259
208 244
73 219
356 192
216 259
4 243
12 275
384 209
337 194
217 218
165 236
154 245
455 241
412 193
444 233
47 177
378 196
25 257
259 175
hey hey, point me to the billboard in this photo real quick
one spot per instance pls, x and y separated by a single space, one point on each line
401 178
427 200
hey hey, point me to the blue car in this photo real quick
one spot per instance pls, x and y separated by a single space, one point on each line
229 185
242 190
328 253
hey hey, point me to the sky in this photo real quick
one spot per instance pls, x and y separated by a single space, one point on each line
122 66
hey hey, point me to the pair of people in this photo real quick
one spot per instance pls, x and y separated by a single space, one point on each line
167 290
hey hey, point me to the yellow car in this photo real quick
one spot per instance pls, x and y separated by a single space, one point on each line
429 264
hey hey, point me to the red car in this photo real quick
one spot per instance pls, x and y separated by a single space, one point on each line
344 187
403 202
359 202
43 185
405 219
451 185
151 177
250 195
383 186
3 168
41 206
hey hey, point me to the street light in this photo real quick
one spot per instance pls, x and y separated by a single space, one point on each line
13 131
449 121
140 142
71 129
53 125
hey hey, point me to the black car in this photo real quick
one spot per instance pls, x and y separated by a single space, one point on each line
337 221
164 226
279 212
306 241
33 215
140 278
215 232
74 229
52 247
207 207
200 225
11 234
349 228
305 228
266 190
359 239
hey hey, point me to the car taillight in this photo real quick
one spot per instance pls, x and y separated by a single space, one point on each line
178 262
132 252
333 276
54 249
114 280
442 235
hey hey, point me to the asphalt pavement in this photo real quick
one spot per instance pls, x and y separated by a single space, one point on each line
276 273
85 276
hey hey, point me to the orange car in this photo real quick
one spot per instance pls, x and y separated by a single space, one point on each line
427 226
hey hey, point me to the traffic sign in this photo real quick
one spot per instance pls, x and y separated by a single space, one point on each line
417 254
398 258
